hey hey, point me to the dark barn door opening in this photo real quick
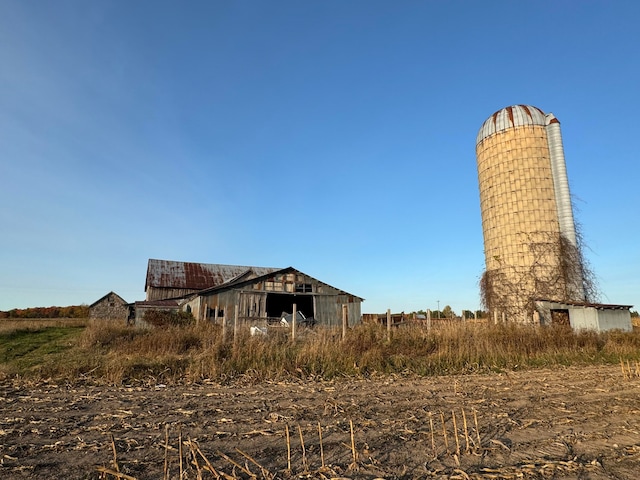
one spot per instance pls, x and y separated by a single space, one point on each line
560 317
278 303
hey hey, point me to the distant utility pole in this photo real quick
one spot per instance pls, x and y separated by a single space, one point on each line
438 308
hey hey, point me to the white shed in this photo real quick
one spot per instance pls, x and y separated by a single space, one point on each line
585 316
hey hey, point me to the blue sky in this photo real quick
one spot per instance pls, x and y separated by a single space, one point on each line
335 137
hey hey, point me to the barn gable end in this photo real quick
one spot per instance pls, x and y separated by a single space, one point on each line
110 307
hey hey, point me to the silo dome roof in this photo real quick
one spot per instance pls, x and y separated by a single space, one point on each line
514 116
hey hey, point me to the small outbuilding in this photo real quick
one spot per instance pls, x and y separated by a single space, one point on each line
110 307
585 316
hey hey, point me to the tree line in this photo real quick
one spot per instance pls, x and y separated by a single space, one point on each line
72 311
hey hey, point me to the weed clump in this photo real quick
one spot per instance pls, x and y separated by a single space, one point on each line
164 318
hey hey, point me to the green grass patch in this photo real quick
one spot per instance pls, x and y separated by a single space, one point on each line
24 349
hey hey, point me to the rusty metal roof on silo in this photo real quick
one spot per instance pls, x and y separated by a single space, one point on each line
196 276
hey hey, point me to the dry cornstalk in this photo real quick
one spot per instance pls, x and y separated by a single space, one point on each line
624 373
166 453
265 472
286 428
236 464
475 421
433 440
466 431
353 443
206 460
455 432
304 450
194 457
180 449
444 432
321 447
115 455
463 473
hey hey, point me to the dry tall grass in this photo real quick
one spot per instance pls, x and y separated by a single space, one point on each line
119 353
114 352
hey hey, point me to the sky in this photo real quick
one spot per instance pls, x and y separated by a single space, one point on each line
335 137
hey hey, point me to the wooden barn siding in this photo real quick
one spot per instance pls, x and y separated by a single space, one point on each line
225 301
161 293
329 309
253 304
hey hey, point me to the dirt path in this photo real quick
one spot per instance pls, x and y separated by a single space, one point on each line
575 423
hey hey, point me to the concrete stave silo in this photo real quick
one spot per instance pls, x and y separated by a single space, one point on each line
531 249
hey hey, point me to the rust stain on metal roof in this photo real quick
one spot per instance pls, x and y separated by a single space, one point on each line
196 276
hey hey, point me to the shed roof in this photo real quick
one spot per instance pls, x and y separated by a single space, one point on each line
195 276
599 306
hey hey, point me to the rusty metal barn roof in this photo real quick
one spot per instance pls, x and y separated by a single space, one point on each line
196 276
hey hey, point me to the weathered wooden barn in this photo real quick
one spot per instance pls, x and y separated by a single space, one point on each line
265 298
110 307
212 292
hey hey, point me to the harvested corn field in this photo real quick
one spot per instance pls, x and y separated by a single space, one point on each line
575 422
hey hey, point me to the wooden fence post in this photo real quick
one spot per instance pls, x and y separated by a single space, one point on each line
235 324
345 320
388 324
224 322
293 322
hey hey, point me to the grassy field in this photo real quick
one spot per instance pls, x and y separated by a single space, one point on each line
114 353
28 347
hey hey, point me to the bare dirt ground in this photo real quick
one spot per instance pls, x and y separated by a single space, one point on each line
574 423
